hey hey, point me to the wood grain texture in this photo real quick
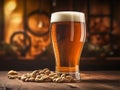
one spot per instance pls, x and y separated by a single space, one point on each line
90 80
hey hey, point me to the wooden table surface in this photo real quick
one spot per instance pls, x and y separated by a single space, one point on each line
90 80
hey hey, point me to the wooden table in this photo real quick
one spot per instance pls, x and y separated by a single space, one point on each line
90 80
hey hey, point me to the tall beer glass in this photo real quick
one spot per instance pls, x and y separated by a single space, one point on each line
68 32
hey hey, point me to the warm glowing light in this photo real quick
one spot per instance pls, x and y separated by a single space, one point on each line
16 18
15 22
40 24
10 6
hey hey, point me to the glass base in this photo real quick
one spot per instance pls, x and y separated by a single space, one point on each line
75 75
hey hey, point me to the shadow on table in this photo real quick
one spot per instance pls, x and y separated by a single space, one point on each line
101 81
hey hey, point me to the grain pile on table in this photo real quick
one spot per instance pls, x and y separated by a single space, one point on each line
44 75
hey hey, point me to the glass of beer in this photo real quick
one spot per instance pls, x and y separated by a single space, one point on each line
68 33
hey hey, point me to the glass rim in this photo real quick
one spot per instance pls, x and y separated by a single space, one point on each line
67 16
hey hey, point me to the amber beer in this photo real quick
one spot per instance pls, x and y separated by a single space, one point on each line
68 37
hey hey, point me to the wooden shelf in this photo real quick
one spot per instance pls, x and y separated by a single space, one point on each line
86 63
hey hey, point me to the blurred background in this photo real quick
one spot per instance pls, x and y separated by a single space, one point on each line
25 42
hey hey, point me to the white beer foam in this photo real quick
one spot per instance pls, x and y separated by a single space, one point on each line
67 16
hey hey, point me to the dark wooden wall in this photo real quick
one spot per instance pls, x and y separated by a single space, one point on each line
1 20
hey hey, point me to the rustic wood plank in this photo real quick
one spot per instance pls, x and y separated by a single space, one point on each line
8 84
13 85
46 86
2 80
90 80
100 75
